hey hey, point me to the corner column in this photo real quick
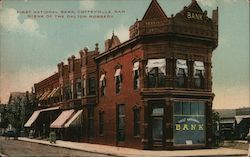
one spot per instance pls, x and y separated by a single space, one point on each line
209 129
145 127
169 124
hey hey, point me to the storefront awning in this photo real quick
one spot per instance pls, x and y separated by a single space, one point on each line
36 114
227 121
54 91
73 119
156 63
51 92
240 118
62 118
44 96
39 95
32 119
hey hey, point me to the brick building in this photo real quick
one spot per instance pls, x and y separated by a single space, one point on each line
153 91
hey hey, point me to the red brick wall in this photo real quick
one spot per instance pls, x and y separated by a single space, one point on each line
127 96
47 84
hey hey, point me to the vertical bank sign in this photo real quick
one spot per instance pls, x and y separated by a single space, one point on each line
189 129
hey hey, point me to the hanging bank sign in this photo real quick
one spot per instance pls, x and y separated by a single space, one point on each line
195 16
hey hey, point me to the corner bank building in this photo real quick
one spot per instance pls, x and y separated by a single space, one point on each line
153 91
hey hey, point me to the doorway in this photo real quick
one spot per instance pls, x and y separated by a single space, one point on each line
157 118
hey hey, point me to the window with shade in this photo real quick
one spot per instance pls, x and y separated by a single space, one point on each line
118 81
156 71
78 88
83 86
199 71
136 75
181 73
102 84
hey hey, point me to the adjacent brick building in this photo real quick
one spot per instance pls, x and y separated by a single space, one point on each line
153 91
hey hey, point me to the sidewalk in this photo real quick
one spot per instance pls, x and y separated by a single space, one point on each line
120 151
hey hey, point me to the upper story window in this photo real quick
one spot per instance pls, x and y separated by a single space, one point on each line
199 72
78 88
136 75
67 92
156 69
118 81
92 86
181 73
83 86
72 90
102 85
61 92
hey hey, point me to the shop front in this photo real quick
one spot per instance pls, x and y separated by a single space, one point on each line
177 124
189 123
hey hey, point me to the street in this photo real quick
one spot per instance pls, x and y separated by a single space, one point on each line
20 148
31 147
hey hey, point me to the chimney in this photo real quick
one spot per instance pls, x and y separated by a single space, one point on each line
215 16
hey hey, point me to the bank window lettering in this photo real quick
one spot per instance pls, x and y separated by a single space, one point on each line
189 121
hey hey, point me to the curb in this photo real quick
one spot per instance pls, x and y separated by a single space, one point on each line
114 154
54 145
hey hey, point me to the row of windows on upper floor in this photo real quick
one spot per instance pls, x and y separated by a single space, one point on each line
155 70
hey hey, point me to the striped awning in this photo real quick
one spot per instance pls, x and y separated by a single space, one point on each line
62 119
35 115
241 117
53 92
73 119
44 96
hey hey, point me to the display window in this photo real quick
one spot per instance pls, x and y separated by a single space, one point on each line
189 123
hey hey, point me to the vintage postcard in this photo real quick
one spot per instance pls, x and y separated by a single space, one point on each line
124 77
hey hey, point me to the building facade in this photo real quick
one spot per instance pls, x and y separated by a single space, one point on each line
153 91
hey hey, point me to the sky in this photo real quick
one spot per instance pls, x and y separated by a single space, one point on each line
31 48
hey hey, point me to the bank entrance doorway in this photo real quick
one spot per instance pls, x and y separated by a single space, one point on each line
157 130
